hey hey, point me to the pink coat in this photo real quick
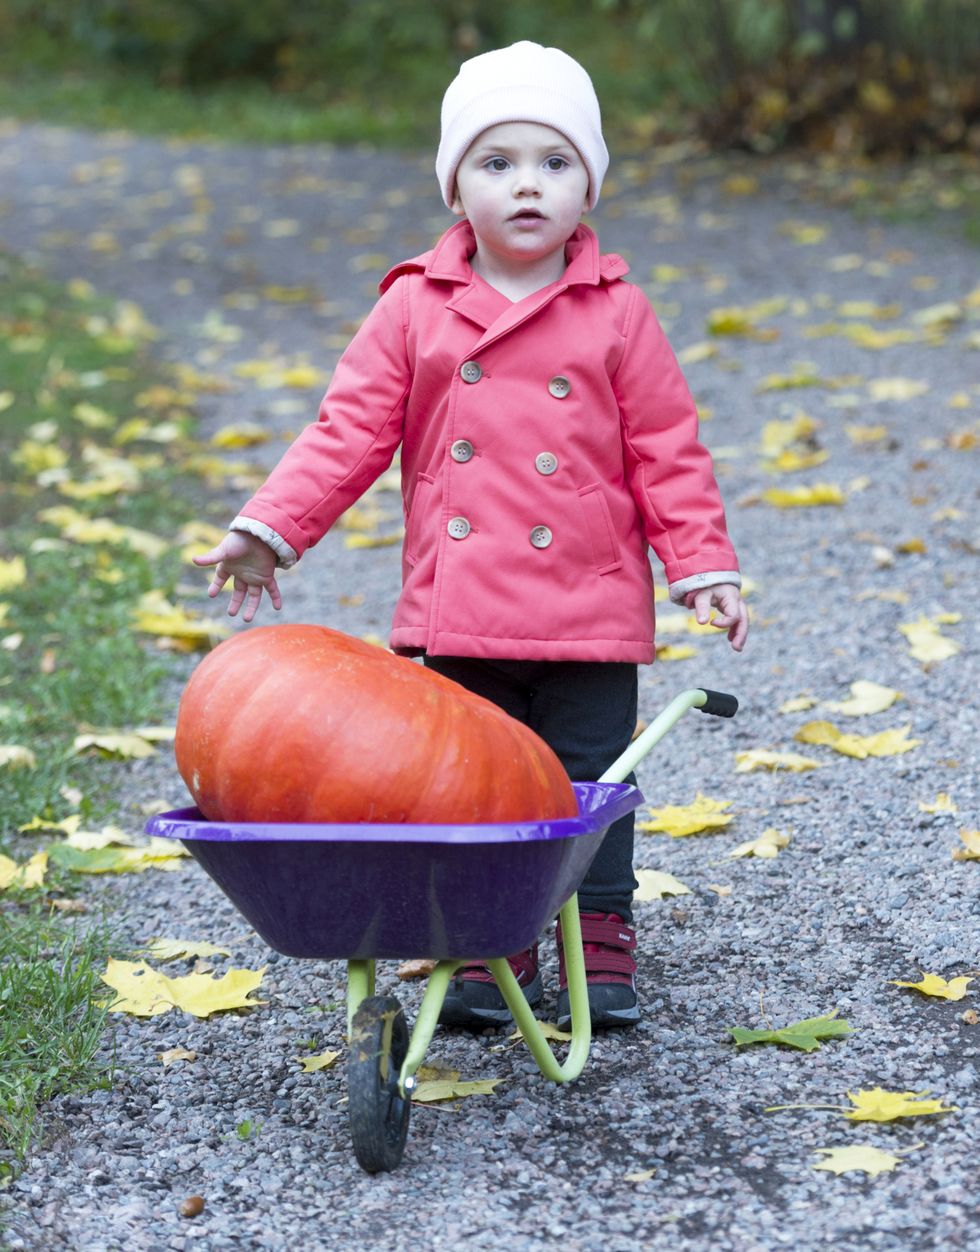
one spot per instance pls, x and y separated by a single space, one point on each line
545 444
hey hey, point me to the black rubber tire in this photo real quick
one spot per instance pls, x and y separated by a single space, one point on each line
378 1113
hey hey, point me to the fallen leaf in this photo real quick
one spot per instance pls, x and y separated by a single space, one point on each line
885 743
421 967
548 1029
654 885
943 803
866 697
858 1156
679 820
13 573
971 849
434 1084
718 889
322 1060
761 758
155 615
643 1175
878 1105
805 1035
162 854
243 435
145 992
120 744
803 497
24 876
12 755
769 844
933 985
171 949
175 1054
881 389
798 704
927 644
675 652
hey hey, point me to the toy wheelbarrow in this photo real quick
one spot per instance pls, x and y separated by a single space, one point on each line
363 892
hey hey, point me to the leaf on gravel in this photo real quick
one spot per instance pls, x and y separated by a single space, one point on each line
322 1060
878 1105
762 758
13 756
145 992
155 615
943 803
927 643
641 1175
430 1091
244 435
88 840
678 820
860 1156
654 884
171 949
971 846
934 985
885 743
769 844
68 825
866 697
675 652
24 876
797 704
881 389
122 745
803 497
806 1035
550 1030
172 1055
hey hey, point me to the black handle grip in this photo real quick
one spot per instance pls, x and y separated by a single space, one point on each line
719 703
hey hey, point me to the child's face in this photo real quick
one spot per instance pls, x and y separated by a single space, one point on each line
523 187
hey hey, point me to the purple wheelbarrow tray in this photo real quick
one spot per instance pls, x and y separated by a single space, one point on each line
355 892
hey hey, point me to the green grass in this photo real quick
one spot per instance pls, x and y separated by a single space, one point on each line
74 370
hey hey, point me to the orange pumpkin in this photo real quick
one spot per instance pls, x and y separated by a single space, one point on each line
305 724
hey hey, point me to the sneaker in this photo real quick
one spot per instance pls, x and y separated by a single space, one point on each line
610 971
474 999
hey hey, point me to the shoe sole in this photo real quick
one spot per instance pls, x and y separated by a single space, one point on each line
456 1012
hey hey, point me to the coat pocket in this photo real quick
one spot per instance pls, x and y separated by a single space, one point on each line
414 523
598 521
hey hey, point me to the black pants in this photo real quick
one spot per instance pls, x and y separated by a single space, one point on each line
586 712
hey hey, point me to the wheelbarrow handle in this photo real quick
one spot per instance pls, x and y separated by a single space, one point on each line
716 702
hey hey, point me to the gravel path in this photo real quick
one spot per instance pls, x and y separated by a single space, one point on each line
866 891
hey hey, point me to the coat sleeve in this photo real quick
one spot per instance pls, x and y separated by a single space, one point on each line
334 460
668 469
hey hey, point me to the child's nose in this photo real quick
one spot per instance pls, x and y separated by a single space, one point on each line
527 182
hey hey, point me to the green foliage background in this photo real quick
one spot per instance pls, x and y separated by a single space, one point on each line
700 61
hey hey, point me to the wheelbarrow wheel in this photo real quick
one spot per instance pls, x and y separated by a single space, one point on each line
378 1112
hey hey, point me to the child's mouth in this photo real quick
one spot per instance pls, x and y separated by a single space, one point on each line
527 215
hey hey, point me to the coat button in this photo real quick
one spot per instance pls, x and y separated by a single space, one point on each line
458 528
462 450
546 462
541 537
559 386
470 372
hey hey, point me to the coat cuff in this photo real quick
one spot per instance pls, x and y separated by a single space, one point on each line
285 555
679 591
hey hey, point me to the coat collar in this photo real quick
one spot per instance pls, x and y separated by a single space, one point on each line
449 262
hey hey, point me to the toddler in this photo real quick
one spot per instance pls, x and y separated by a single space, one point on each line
548 439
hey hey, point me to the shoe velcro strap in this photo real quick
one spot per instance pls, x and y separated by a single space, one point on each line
609 934
606 961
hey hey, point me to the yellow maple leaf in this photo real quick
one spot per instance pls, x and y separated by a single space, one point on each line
866 434
927 644
971 846
769 844
943 803
878 1105
790 460
934 985
169 949
777 436
675 652
243 435
797 704
761 758
690 819
885 743
866 697
654 884
25 876
803 497
155 615
145 992
858 1156
322 1060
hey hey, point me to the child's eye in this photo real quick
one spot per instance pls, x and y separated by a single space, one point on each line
555 163
497 164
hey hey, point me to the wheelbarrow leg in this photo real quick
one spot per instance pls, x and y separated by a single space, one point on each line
360 986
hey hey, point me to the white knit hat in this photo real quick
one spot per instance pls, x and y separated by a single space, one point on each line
522 83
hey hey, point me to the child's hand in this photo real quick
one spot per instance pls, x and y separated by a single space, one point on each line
733 615
252 565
